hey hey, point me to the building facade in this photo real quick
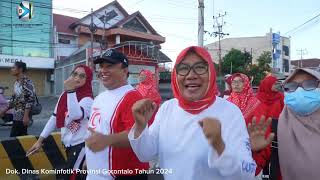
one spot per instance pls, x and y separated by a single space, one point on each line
278 45
313 63
114 28
26 35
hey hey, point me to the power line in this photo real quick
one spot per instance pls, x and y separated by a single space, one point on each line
315 17
219 23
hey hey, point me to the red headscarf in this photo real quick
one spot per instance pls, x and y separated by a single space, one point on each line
195 107
82 92
147 88
265 93
245 100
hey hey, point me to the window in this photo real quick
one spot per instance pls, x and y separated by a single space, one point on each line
285 49
285 65
34 40
135 25
64 41
110 15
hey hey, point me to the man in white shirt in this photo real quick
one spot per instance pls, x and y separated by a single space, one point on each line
196 135
108 152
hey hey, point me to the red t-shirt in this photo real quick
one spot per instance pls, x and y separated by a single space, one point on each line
125 158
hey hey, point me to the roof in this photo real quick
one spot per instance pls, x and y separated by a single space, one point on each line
115 3
63 22
315 62
141 17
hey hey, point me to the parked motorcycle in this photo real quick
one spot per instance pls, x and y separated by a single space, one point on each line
7 119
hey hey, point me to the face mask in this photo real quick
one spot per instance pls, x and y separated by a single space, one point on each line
303 102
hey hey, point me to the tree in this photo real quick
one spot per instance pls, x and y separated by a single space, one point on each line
241 62
234 62
258 72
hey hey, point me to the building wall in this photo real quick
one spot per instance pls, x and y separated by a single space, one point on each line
257 44
67 49
286 56
39 78
31 38
83 38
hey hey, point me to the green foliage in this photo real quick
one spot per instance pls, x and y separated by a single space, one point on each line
234 62
241 63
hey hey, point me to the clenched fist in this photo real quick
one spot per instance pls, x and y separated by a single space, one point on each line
212 130
142 112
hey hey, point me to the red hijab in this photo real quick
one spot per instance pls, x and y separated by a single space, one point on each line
195 107
245 100
265 93
82 92
147 88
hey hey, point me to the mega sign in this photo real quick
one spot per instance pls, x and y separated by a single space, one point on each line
32 62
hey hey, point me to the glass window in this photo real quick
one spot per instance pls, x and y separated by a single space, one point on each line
285 65
135 25
26 38
64 41
110 15
285 50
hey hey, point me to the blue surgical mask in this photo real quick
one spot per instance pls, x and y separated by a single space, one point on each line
303 102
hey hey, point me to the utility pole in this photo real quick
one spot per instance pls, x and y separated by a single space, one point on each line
200 22
93 29
301 52
219 23
103 43
218 26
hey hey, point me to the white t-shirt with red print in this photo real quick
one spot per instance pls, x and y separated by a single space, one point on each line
111 113
76 120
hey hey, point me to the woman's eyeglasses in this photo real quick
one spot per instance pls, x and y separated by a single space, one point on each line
80 75
198 68
307 85
236 82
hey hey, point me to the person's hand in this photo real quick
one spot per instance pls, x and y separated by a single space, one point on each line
70 84
142 112
26 120
97 141
35 148
212 130
257 134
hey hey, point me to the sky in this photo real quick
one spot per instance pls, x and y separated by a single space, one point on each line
177 20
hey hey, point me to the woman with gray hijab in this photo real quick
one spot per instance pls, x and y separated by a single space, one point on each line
298 127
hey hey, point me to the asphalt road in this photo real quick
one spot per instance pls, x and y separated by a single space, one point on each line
48 104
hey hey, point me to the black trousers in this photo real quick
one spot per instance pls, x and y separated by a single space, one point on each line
136 177
18 129
75 159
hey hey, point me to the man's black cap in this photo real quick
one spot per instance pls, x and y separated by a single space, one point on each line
112 56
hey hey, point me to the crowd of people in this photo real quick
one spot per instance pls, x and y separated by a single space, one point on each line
195 135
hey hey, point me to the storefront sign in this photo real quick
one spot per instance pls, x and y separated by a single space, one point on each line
32 62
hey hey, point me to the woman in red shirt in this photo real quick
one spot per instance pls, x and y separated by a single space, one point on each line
242 95
274 101
271 97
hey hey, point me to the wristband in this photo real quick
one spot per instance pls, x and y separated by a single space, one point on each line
71 91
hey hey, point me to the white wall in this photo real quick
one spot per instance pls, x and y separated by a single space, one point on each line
67 49
258 45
